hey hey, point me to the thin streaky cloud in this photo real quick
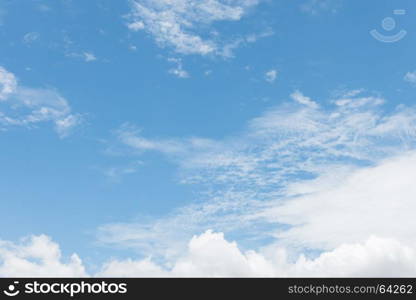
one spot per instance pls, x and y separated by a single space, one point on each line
176 23
28 107
290 151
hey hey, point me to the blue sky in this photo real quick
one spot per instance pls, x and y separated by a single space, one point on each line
129 129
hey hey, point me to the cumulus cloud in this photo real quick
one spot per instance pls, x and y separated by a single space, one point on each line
37 256
178 23
44 8
211 255
25 106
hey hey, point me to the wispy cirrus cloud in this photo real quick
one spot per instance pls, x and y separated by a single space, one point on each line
314 7
26 106
184 25
115 173
85 56
3 13
8 83
273 181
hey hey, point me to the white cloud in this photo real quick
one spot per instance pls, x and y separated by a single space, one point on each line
89 56
37 256
115 173
227 49
178 23
72 50
130 136
302 99
8 83
271 76
64 126
410 77
44 8
178 70
132 268
85 56
376 257
296 154
373 200
211 255
24 106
